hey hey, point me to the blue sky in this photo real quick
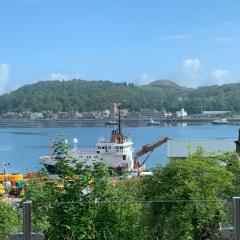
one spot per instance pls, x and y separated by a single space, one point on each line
191 42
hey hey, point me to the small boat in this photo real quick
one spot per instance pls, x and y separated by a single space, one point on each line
222 121
111 123
153 123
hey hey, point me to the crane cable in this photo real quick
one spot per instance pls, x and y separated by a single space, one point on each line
146 158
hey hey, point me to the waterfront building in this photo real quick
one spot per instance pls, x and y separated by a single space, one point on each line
215 113
134 114
181 113
124 112
27 115
37 115
89 115
106 113
75 115
49 115
181 148
166 114
62 115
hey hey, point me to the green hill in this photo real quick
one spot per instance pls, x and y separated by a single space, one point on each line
98 95
163 84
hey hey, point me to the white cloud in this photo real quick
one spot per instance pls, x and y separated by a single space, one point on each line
4 76
175 37
221 76
143 79
192 74
189 74
191 65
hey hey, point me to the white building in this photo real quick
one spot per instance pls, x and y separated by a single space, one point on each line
211 113
181 113
106 113
166 114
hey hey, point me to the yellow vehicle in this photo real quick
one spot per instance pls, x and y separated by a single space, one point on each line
12 184
11 177
15 177
2 191
4 177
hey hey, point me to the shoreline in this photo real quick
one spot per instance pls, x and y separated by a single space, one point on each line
143 120
104 121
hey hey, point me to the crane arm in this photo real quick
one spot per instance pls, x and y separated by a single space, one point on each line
150 147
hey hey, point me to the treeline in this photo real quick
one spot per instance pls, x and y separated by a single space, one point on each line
80 95
185 199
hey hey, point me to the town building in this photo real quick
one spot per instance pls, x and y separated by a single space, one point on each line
177 149
166 114
182 113
215 113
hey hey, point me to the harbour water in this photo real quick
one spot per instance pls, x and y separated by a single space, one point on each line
22 146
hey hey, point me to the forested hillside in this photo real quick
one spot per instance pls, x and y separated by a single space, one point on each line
98 95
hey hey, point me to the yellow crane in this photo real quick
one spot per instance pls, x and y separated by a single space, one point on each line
149 148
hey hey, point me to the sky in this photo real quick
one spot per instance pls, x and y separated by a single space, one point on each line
193 43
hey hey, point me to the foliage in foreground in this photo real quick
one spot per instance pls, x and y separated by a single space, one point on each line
194 192
9 220
186 199
83 203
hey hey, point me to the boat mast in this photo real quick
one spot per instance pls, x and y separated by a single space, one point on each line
119 119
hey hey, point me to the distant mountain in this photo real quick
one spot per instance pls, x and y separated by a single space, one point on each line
80 95
164 84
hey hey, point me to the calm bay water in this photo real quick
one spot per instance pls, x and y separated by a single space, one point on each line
22 146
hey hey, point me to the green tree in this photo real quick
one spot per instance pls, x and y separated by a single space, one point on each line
191 195
185 199
83 203
9 220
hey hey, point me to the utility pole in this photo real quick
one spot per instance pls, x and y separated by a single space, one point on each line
236 217
27 220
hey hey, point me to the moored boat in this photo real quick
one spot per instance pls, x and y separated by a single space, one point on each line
222 121
111 123
152 122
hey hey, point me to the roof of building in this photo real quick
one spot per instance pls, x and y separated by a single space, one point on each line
183 148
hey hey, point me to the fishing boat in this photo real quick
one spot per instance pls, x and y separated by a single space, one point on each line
222 121
111 123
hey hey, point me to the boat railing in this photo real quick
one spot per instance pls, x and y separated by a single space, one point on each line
121 151
127 139
84 150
